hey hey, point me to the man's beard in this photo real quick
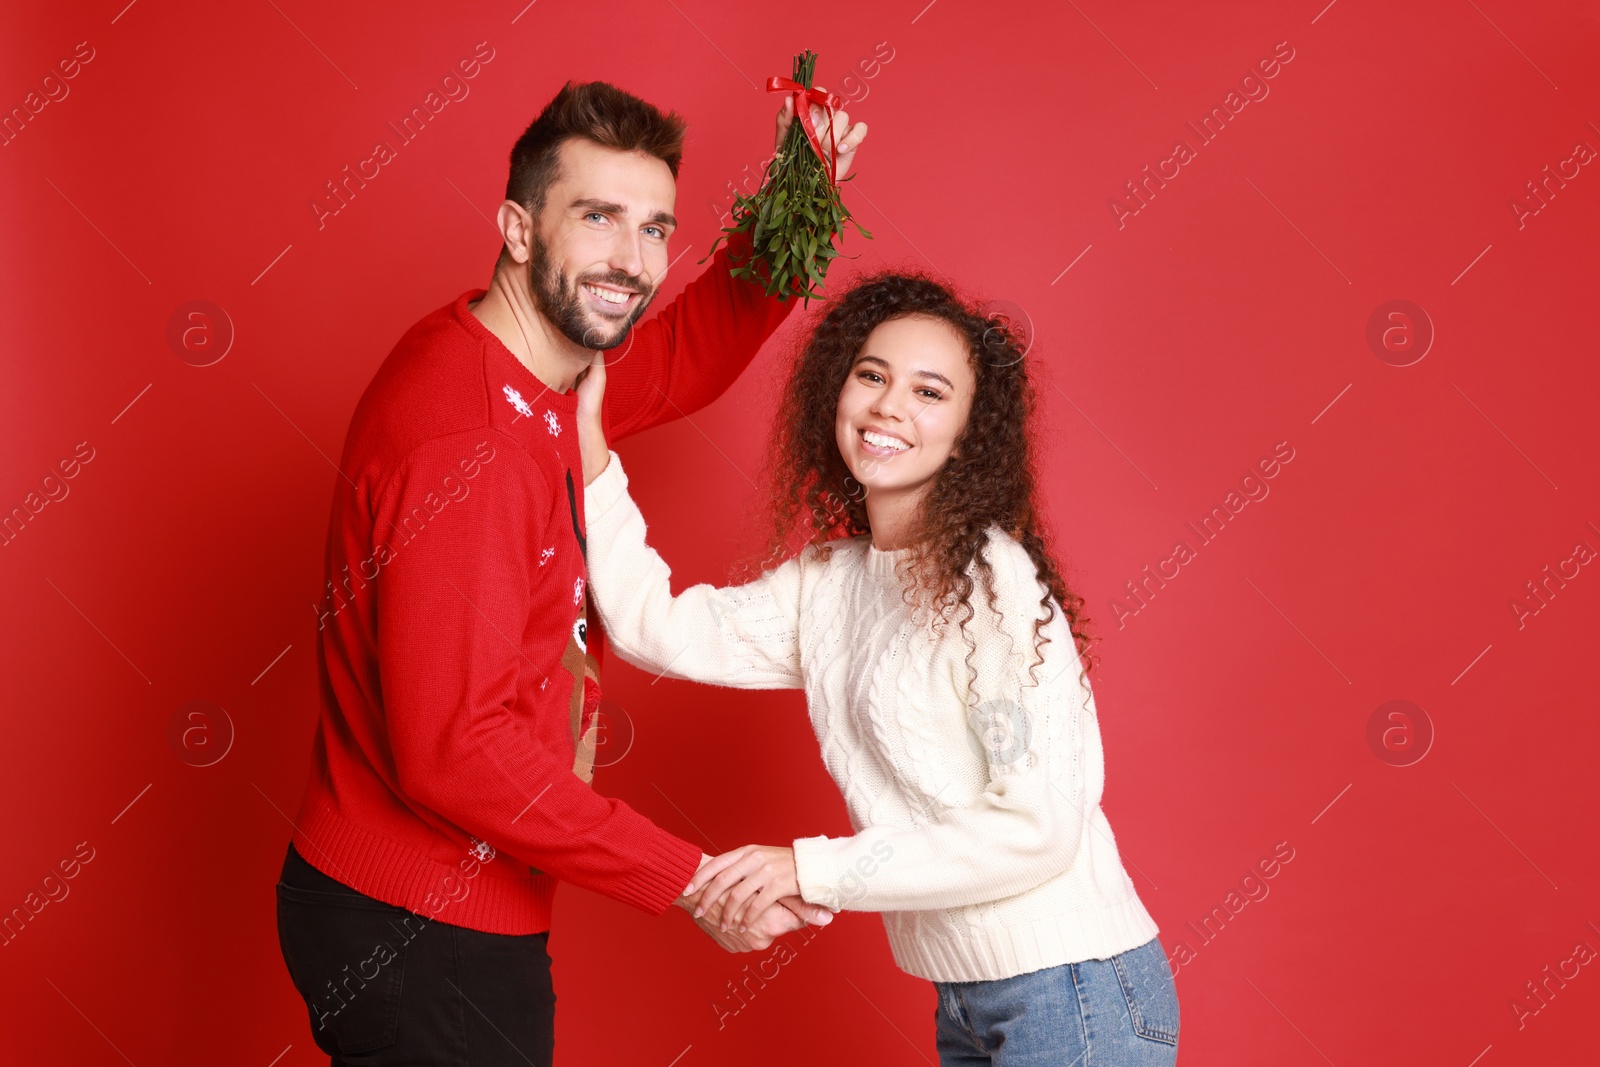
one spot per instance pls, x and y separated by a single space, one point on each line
564 307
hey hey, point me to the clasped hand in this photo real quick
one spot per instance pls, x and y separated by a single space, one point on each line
747 897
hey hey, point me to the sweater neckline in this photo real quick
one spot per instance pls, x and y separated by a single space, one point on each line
521 377
879 561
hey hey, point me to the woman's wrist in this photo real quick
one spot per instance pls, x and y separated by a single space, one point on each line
592 450
595 454
690 895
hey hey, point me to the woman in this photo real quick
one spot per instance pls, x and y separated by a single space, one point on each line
942 657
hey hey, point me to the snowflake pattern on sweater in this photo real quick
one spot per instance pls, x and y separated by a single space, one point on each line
514 398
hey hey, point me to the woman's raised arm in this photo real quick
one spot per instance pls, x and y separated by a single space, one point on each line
746 636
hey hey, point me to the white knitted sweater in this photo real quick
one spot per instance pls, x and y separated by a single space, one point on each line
979 833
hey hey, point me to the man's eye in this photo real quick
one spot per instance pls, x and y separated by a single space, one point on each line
594 214
659 232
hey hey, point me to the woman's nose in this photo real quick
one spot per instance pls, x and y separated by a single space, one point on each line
888 405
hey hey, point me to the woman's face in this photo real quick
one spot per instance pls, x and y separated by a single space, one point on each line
904 403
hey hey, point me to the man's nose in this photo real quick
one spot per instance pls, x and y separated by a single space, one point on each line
627 255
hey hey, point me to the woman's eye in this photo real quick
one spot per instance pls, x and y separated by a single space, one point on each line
933 394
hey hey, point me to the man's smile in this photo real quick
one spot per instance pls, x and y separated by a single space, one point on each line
609 298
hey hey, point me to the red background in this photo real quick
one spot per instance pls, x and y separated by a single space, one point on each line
1228 315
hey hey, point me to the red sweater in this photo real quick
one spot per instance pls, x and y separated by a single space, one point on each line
458 679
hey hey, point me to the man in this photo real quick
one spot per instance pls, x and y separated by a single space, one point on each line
449 789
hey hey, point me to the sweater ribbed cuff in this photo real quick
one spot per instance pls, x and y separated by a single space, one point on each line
608 487
814 866
666 863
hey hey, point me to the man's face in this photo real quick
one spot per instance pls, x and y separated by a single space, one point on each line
599 247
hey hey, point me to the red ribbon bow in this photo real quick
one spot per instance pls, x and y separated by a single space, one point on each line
803 98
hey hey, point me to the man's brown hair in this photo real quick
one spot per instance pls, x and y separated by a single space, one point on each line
601 113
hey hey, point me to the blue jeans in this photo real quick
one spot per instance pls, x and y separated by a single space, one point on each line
1119 1012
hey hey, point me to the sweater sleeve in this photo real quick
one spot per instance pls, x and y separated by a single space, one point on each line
743 636
451 604
1026 825
693 350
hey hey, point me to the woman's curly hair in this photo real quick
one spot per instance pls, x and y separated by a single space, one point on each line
987 481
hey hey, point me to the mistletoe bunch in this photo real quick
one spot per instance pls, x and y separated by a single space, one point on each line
795 214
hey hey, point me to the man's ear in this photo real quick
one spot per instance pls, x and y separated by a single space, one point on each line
516 230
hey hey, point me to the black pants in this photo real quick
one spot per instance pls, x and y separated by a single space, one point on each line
386 986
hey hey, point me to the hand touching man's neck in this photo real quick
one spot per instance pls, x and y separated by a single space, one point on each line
509 311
